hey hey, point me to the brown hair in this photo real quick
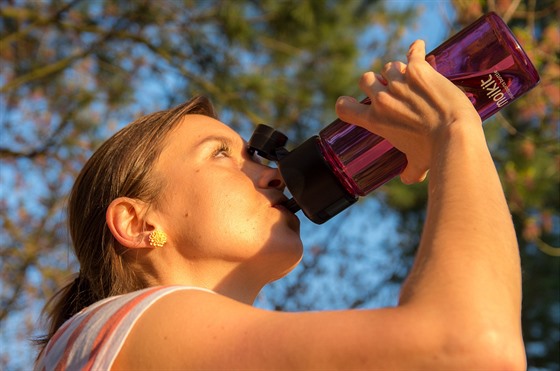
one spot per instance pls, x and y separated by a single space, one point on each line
119 168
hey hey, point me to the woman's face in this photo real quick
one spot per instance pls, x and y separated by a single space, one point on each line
221 204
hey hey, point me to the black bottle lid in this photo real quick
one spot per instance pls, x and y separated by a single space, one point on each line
267 141
312 183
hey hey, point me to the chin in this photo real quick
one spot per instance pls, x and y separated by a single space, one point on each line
290 258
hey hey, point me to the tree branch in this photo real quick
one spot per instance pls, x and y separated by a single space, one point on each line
43 72
18 13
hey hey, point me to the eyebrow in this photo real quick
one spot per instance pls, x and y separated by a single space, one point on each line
215 138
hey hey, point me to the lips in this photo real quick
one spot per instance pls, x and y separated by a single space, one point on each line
279 201
281 207
286 204
280 204
291 205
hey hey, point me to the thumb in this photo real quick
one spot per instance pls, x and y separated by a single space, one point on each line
413 174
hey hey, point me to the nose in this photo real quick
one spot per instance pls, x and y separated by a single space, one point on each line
271 178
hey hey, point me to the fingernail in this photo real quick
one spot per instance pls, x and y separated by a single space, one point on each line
381 79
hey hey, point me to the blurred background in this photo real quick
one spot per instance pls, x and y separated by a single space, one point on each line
75 71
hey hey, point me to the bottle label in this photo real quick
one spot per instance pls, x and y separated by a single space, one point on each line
496 89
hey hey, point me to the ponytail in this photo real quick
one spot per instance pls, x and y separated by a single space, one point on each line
68 301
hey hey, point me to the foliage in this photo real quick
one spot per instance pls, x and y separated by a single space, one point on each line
74 71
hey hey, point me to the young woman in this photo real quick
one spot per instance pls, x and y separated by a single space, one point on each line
177 228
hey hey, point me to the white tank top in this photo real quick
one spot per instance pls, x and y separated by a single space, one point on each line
92 339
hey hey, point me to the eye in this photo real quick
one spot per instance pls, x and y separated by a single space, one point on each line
223 150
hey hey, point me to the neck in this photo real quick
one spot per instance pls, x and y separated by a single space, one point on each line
233 281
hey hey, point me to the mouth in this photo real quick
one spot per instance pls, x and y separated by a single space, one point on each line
291 205
286 206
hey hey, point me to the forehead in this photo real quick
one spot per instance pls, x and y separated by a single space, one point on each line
197 127
187 141
193 130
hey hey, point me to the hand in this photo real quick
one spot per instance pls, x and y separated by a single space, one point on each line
412 106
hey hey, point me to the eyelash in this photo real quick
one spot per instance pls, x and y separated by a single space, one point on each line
224 150
221 150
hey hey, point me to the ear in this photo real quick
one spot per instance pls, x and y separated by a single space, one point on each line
126 220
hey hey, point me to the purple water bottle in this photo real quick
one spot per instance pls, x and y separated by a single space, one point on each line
328 172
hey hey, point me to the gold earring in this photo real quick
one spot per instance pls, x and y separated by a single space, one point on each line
158 238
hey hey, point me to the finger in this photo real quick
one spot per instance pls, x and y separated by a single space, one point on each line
413 174
371 83
416 51
350 110
381 79
394 71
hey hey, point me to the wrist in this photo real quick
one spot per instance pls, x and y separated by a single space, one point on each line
458 135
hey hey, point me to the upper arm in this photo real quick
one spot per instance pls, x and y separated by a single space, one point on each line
197 330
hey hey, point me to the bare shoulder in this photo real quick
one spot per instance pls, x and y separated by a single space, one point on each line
196 329
188 329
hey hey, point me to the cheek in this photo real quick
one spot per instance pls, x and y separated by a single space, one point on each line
230 198
223 212
224 216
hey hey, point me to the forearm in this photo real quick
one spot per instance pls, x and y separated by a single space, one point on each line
467 268
461 302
